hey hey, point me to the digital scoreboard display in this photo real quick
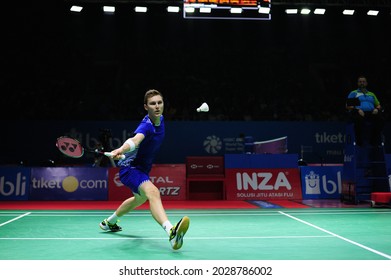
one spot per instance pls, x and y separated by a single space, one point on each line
227 9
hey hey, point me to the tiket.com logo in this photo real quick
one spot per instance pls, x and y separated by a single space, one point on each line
324 138
69 184
212 144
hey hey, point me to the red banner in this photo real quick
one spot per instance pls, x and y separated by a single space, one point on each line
169 178
263 184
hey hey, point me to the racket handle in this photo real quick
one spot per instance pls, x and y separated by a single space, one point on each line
108 154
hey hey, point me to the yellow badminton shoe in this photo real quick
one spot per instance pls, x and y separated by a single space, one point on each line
178 232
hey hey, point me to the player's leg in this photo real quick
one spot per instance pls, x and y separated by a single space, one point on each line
177 232
131 178
149 191
128 205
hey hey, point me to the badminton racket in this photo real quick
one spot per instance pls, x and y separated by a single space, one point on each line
73 148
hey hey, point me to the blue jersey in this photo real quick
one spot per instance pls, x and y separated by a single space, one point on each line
142 157
368 100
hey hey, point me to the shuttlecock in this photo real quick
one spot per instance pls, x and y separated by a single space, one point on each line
203 108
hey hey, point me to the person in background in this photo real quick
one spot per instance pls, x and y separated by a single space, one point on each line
364 107
140 151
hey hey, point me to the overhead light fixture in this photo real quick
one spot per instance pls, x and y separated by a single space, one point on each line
305 11
76 9
205 10
189 10
264 10
108 9
236 10
173 9
348 12
372 13
291 11
319 11
139 9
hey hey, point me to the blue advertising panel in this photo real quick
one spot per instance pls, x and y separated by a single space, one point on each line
68 183
321 182
315 142
261 160
14 183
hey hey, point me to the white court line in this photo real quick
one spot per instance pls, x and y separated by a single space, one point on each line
14 219
222 211
165 238
204 213
338 236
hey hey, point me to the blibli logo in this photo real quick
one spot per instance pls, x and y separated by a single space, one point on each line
16 188
313 184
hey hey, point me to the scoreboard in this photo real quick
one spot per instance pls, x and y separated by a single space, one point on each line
227 9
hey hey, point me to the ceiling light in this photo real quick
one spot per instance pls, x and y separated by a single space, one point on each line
236 10
348 12
172 9
108 9
205 10
139 9
76 9
189 9
372 13
319 11
264 10
291 11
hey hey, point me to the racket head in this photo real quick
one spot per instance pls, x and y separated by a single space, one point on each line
70 147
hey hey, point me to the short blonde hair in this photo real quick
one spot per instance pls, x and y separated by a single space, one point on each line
151 93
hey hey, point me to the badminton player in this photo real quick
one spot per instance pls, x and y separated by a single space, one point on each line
140 151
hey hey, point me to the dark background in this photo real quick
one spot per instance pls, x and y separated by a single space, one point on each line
57 65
